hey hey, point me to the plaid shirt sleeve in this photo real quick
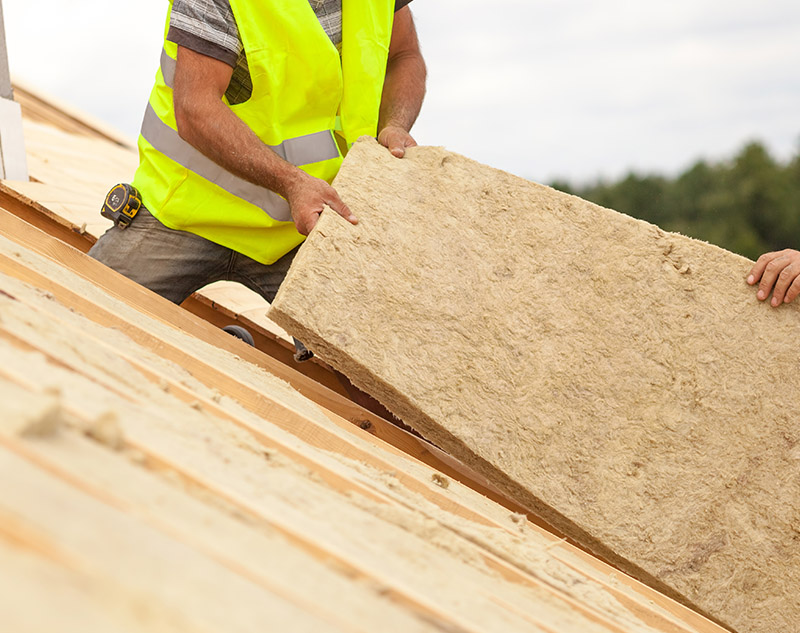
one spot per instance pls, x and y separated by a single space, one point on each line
207 27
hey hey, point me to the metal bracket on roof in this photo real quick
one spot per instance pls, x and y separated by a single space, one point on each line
13 161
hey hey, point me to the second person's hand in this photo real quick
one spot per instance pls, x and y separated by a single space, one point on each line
779 273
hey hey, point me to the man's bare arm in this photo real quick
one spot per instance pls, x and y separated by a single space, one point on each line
206 123
404 86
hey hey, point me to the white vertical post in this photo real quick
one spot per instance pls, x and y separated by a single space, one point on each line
13 162
5 79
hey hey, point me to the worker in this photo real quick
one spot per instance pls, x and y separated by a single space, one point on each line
777 273
254 105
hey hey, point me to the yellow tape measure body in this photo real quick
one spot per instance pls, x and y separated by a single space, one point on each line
122 204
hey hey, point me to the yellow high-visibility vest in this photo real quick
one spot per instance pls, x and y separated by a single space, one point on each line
304 95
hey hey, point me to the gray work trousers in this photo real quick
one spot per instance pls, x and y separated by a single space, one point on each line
174 263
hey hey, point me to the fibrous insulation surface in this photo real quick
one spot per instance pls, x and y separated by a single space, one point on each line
622 381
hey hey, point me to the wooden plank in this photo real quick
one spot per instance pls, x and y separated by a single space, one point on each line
52 194
59 158
43 219
582 360
167 454
47 135
216 307
657 611
249 304
262 557
219 305
176 582
76 602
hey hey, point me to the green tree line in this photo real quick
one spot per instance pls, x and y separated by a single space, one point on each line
749 204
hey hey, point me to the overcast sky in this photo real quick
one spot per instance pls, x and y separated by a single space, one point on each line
540 88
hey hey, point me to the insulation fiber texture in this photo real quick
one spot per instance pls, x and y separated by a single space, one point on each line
621 381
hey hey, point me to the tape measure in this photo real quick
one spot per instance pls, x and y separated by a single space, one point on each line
122 204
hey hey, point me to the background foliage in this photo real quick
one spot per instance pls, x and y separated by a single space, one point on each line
749 204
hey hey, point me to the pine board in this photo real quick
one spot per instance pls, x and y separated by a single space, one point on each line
622 381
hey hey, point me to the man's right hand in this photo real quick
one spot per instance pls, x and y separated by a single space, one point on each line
308 197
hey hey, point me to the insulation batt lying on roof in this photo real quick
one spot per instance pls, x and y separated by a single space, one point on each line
621 381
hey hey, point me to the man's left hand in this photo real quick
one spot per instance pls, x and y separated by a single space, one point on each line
396 139
779 273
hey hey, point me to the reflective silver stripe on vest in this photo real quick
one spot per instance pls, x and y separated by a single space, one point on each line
304 150
299 151
168 68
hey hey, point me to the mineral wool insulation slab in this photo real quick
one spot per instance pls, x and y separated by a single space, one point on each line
621 381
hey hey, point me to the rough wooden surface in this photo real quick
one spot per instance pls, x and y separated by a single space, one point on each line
622 381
